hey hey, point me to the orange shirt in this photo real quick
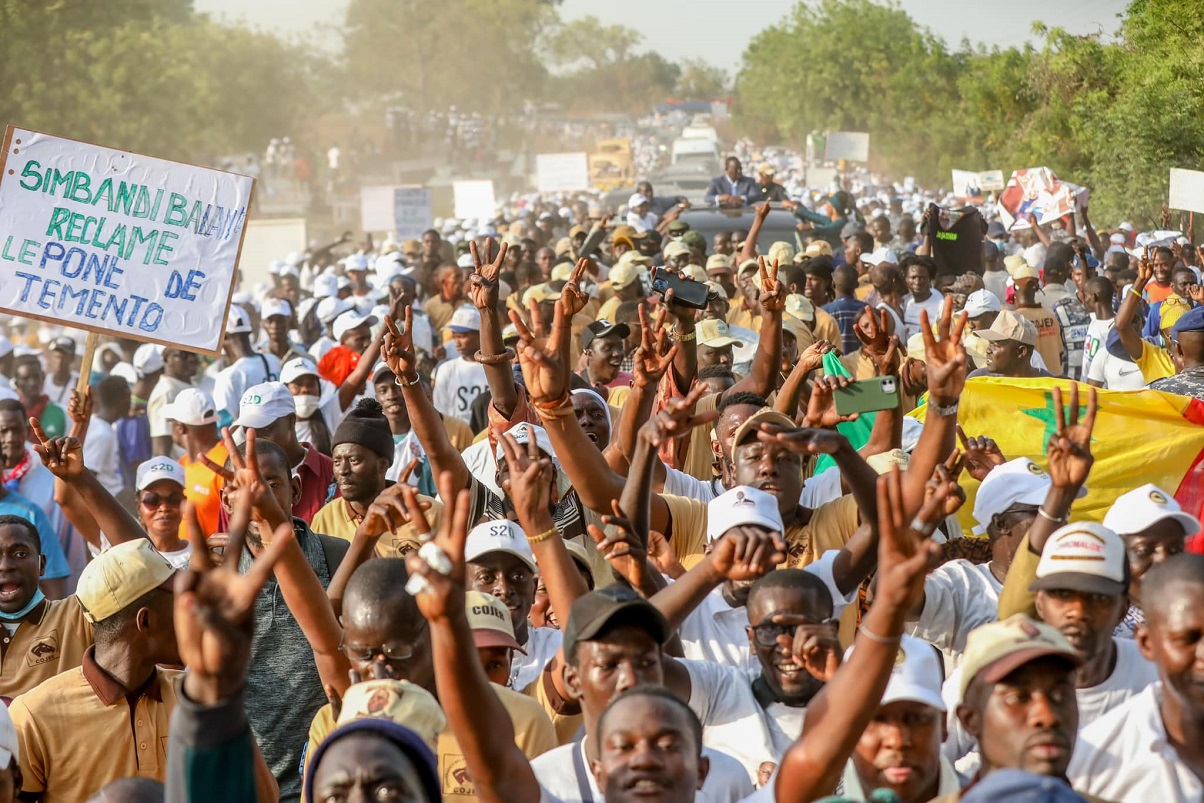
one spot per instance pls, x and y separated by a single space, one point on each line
203 488
337 364
1155 292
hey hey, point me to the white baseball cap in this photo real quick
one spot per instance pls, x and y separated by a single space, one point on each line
635 200
326 285
522 433
298 367
880 256
1016 482
238 321
355 262
10 753
499 536
1083 556
466 319
332 307
465 261
158 468
148 358
981 302
264 403
742 505
1142 508
192 407
351 320
916 676
276 306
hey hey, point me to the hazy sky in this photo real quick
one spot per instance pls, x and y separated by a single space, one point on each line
719 30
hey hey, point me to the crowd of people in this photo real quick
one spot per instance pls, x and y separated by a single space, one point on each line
557 508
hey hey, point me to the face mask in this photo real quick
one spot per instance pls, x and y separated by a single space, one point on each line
307 405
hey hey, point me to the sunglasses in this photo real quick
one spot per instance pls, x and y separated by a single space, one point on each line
766 635
154 500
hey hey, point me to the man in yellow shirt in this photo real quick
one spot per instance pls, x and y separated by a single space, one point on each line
1153 361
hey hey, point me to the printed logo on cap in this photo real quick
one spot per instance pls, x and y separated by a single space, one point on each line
489 610
1035 469
168 467
252 399
1157 498
501 531
742 500
1029 629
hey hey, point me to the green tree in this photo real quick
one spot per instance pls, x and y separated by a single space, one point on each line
701 81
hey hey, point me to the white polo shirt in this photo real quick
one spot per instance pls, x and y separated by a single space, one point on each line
958 597
1125 755
559 773
822 488
734 722
714 631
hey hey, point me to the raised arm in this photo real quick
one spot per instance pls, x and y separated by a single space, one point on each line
1040 233
482 289
477 717
749 251
838 715
597 234
767 362
74 508
1128 309
353 385
398 351
795 387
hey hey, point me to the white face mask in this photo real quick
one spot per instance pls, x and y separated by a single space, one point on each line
306 405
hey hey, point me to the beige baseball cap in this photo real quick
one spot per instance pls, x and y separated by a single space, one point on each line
399 701
119 576
490 622
1010 325
715 334
994 650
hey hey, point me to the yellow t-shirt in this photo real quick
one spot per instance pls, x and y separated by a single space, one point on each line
826 328
698 460
458 432
1154 362
566 725
830 527
533 734
335 518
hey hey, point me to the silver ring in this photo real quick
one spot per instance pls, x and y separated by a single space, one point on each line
922 527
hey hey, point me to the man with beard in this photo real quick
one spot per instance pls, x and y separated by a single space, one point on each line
1152 747
362 453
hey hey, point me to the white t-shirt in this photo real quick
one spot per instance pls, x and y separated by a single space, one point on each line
1115 372
60 394
958 597
457 383
1131 675
1097 335
246 372
556 771
179 558
102 456
822 488
911 311
1125 755
542 645
734 722
714 631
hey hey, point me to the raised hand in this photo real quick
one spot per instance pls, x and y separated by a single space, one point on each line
64 456
529 482
981 454
245 483
662 556
945 475
762 211
1145 271
394 507
624 549
802 440
773 291
655 353
571 294
1196 291
213 606
1069 448
821 407
746 553
872 329
945 354
813 647
437 571
79 409
905 552
398 348
813 356
676 418
482 286
545 369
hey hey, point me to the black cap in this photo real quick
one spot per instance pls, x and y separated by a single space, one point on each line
610 607
602 328
63 344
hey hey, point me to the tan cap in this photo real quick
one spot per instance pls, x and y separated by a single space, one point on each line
624 273
490 622
885 461
817 248
540 293
676 248
398 701
1010 325
629 232
719 262
578 553
715 334
799 306
751 424
122 574
694 272
995 650
1012 263
765 169
1026 271
803 336
717 289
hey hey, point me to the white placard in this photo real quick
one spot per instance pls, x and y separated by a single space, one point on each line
1187 190
474 199
852 146
267 240
966 184
561 172
117 242
376 208
413 212
991 180
821 178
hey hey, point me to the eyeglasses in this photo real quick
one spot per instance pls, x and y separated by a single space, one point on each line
367 654
153 500
766 634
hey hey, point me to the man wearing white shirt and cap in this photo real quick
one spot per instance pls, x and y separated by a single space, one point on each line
277 318
1154 528
959 595
316 400
328 310
458 381
982 308
1152 747
246 366
638 215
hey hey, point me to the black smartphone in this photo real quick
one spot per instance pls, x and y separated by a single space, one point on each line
685 291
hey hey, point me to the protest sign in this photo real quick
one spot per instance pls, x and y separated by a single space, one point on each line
990 180
117 242
561 172
966 185
1036 191
412 212
474 199
1187 190
852 146
823 179
265 241
376 208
